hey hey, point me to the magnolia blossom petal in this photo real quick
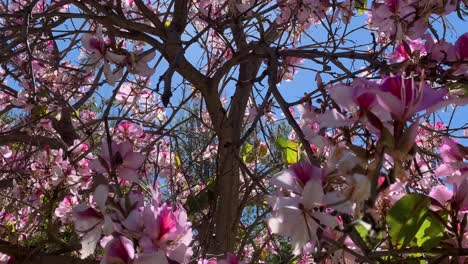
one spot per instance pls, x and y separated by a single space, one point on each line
441 193
144 70
89 241
151 258
119 250
390 102
444 170
115 58
343 96
85 218
112 75
431 97
332 119
326 219
86 41
312 194
279 201
286 180
100 196
125 149
133 160
148 57
181 253
134 221
96 165
128 174
339 202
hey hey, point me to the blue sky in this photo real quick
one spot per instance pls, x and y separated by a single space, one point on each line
304 80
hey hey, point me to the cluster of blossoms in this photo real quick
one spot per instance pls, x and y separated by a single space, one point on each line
150 192
396 19
301 209
135 231
300 15
429 55
230 259
99 51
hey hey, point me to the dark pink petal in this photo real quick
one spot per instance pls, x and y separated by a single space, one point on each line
461 47
450 151
167 222
128 174
119 250
85 217
304 171
430 97
125 148
133 160
97 165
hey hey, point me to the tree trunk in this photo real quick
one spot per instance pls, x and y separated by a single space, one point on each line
228 193
227 184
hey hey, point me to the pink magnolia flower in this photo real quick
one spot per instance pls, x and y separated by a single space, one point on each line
65 207
357 99
302 213
98 50
119 250
394 192
167 230
461 195
126 162
138 63
401 54
461 49
441 194
296 176
451 151
439 51
300 217
403 97
5 259
453 155
392 18
230 259
127 94
128 130
95 45
91 223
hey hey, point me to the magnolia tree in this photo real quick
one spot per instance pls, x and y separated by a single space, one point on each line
145 131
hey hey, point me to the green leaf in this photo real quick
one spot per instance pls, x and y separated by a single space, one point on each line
248 154
406 218
362 231
431 231
361 6
289 149
39 111
178 162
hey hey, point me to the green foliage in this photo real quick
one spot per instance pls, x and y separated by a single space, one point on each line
431 231
248 153
410 221
289 149
361 6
